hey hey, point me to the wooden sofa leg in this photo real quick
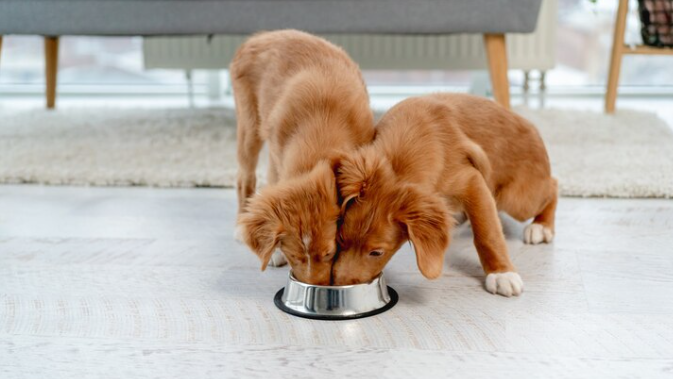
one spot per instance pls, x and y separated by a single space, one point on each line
496 53
0 48
616 58
51 69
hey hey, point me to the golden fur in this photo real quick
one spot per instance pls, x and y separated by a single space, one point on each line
433 157
307 99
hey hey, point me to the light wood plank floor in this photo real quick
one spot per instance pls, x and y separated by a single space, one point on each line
149 283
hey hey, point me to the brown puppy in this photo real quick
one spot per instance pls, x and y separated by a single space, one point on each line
434 156
307 98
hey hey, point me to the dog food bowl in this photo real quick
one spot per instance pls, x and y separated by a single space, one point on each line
335 302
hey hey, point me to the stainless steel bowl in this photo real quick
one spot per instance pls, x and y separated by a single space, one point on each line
335 302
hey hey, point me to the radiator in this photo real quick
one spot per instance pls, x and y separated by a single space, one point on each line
535 51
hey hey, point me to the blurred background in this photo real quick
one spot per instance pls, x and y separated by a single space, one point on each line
113 68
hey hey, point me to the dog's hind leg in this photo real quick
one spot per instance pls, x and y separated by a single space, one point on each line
542 227
249 142
531 198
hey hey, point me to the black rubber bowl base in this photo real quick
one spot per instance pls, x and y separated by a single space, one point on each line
279 303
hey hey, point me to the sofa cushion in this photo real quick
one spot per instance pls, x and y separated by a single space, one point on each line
188 17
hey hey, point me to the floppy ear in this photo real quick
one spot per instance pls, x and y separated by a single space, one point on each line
428 223
260 230
324 173
336 161
364 171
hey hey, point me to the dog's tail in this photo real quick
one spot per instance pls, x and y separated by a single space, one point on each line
478 158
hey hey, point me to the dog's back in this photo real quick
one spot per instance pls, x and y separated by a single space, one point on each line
294 86
305 74
512 144
454 129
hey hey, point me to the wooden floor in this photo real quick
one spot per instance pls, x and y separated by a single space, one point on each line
149 283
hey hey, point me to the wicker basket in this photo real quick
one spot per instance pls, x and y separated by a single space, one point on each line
656 18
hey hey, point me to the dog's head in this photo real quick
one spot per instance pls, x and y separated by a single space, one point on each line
379 213
299 218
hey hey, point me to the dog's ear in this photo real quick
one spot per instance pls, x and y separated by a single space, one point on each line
324 174
336 161
428 223
260 228
361 172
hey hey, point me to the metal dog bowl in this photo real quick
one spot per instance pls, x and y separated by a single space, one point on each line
335 302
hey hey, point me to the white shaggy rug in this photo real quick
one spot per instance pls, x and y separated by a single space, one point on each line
627 155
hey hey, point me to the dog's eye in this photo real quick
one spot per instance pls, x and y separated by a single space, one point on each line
375 253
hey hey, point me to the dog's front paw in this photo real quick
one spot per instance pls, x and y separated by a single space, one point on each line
504 283
277 259
537 233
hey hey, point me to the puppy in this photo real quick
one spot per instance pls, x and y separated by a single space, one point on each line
307 99
434 156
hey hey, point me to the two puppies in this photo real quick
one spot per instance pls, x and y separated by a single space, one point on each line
433 157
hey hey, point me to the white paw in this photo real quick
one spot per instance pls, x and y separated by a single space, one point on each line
537 233
504 283
277 259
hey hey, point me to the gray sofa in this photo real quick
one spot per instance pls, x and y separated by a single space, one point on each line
53 18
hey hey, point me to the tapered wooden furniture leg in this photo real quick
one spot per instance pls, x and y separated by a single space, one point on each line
616 58
51 69
0 48
496 53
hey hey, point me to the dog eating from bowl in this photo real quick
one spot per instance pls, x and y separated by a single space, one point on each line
344 196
